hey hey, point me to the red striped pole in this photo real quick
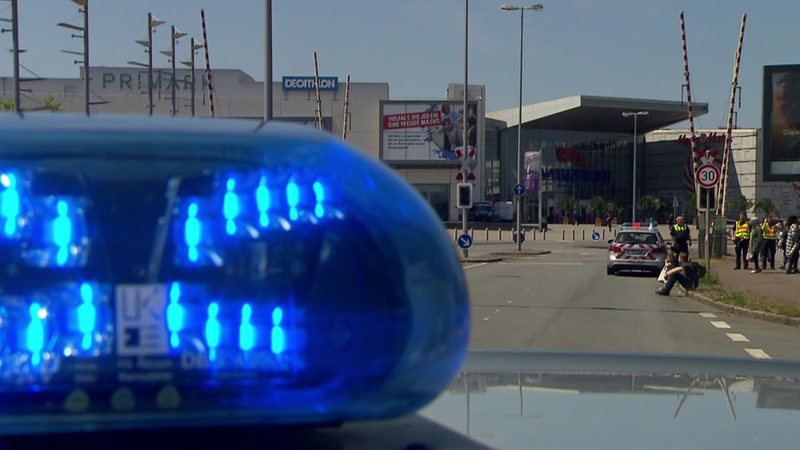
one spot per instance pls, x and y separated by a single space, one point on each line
695 156
208 64
722 189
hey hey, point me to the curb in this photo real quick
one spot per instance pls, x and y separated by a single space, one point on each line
499 256
738 311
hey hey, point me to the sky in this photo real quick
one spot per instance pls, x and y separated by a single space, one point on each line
615 48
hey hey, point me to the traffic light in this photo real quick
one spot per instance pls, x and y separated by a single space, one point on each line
464 195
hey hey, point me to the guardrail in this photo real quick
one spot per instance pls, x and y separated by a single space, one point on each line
553 233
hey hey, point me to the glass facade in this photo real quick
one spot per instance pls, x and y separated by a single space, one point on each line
582 175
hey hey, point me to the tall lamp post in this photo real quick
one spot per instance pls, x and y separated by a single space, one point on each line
175 35
635 115
152 22
521 10
85 54
193 48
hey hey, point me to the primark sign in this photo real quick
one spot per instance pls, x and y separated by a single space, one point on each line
310 83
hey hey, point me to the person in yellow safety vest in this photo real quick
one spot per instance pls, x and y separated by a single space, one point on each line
770 236
681 237
741 239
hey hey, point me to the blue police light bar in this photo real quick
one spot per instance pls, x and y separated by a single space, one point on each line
193 272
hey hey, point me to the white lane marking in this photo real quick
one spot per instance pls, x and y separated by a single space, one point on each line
708 315
737 337
757 353
475 265
487 317
720 324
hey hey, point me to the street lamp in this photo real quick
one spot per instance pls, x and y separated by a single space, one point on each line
152 22
193 47
635 116
521 10
85 36
175 35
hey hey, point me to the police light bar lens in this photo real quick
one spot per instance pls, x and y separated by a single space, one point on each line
196 272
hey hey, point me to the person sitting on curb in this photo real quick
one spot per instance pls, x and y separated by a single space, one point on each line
686 274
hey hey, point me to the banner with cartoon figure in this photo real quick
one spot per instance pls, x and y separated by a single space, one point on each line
426 131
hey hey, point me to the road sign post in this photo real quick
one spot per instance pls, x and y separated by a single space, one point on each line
707 177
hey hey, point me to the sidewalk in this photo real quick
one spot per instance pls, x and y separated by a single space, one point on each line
771 284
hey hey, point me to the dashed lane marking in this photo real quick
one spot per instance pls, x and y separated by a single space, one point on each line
472 266
720 324
757 353
737 337
708 315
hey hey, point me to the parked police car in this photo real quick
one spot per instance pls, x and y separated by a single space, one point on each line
635 248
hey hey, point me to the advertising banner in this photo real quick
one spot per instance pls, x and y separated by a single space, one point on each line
533 171
426 131
781 123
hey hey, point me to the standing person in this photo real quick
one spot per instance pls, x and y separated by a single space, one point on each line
681 237
770 236
792 243
756 242
782 228
741 239
609 219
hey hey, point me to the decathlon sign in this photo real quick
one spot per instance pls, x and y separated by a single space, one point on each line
310 83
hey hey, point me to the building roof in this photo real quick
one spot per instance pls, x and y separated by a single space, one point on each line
590 113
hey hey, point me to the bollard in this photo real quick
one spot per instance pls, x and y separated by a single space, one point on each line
455 234
534 233
487 234
544 234
563 235
472 233
499 234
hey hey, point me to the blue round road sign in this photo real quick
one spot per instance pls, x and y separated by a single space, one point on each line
519 190
465 241
595 235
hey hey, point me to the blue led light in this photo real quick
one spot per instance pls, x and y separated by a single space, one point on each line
175 315
263 201
278 335
292 199
9 203
62 232
247 333
319 194
87 315
192 229
230 206
213 330
34 335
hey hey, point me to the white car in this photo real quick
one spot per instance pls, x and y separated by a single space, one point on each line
636 249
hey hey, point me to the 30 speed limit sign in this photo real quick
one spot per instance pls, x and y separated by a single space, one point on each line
707 175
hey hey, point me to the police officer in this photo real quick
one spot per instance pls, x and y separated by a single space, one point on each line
770 240
681 237
740 233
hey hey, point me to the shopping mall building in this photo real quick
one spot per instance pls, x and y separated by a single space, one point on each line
578 152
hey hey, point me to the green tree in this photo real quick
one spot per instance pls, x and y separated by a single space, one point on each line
614 207
767 206
740 204
598 205
653 204
51 104
6 105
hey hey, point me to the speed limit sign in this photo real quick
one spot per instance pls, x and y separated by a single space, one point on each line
707 175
